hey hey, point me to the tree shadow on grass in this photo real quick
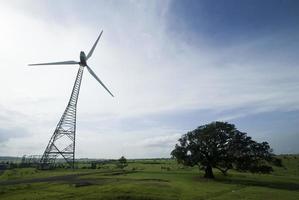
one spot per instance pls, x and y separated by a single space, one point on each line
283 185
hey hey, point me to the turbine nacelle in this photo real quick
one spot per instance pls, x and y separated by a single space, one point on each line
82 59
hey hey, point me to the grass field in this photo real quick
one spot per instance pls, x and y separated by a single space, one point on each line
147 180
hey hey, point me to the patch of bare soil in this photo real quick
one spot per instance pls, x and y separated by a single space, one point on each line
64 178
77 181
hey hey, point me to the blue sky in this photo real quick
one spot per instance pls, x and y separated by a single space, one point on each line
225 22
172 65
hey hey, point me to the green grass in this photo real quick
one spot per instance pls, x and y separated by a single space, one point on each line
149 180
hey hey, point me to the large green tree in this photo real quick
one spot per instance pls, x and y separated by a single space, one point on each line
220 145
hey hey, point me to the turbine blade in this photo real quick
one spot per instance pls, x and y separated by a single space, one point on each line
70 62
95 76
93 47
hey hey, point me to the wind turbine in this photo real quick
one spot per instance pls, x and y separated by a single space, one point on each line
62 141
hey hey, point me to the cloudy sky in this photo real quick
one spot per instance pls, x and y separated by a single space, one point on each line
172 65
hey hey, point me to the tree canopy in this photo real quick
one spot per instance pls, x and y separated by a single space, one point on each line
220 145
122 162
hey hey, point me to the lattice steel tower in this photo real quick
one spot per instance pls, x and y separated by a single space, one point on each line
62 142
65 131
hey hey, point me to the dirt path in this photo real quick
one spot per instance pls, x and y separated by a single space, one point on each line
67 178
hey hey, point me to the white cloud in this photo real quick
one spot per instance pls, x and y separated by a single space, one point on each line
149 70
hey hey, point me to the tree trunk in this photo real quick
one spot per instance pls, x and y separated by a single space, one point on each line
208 172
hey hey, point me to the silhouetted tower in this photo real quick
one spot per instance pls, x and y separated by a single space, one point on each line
62 142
